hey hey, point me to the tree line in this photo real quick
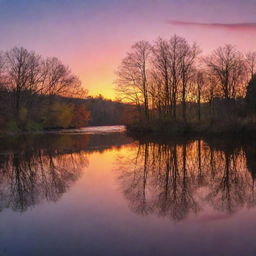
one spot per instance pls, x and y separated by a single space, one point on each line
108 112
172 81
35 92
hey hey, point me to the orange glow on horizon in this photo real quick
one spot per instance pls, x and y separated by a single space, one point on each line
97 71
92 37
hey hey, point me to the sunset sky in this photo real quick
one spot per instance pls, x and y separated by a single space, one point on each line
93 36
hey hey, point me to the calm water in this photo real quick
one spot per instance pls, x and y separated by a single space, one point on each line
105 194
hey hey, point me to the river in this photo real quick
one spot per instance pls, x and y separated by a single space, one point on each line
96 191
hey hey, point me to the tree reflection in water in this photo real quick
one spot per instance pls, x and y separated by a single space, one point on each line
38 168
181 178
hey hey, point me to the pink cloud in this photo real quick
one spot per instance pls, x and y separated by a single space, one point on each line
229 26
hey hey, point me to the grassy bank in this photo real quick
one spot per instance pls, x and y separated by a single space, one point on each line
225 128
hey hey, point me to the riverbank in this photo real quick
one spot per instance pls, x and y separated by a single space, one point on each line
235 128
83 130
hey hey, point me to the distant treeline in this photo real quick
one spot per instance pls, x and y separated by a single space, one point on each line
174 86
108 112
42 93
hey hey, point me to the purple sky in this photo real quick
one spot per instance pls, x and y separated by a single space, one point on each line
93 36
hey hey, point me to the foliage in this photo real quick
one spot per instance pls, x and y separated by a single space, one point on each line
35 93
80 116
108 112
59 115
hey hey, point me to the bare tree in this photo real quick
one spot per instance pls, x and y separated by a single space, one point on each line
226 64
59 80
29 83
175 66
23 72
2 76
200 81
159 78
1 63
189 54
157 94
210 92
132 75
161 64
251 63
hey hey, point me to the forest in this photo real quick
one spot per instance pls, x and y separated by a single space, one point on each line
39 93
176 88
33 92
109 112
166 86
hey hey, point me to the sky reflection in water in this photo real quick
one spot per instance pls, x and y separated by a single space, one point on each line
109 195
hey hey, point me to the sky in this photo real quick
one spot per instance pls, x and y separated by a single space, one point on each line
92 36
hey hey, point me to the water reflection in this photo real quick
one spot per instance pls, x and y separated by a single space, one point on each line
184 177
42 168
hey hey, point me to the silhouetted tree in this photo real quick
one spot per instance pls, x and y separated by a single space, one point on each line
227 65
251 63
251 94
31 87
132 81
